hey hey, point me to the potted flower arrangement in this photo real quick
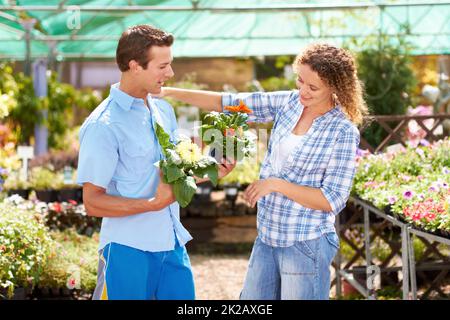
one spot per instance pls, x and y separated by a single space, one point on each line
71 266
24 247
227 133
69 190
45 182
183 162
411 184
15 185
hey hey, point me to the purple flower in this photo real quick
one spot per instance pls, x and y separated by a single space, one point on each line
445 170
420 152
362 152
408 194
434 188
392 199
424 143
406 177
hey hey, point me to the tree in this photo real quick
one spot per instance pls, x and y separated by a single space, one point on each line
388 78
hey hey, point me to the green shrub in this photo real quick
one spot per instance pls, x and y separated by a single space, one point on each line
386 71
45 179
24 247
72 262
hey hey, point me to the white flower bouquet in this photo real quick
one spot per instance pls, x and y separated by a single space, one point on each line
184 161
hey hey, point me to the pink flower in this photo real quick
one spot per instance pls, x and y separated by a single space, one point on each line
392 199
405 177
408 194
71 283
433 188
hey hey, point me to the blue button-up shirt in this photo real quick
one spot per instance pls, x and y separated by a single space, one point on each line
118 150
325 160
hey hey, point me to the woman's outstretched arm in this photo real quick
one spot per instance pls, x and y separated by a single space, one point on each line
206 100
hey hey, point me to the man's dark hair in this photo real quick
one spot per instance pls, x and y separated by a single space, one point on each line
135 42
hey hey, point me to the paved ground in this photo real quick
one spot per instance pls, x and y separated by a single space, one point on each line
218 277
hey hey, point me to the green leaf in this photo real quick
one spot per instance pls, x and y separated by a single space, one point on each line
210 172
184 190
174 173
213 174
163 139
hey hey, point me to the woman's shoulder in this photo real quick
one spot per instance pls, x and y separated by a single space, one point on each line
344 125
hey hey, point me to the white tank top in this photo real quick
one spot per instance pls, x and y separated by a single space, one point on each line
284 149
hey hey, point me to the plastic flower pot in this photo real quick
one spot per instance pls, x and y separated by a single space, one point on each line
24 193
47 195
231 192
203 192
69 194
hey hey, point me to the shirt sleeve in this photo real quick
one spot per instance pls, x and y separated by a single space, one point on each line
338 179
265 105
98 156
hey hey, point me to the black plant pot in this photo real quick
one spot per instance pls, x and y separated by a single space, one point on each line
231 193
24 193
47 195
445 234
203 192
69 194
19 294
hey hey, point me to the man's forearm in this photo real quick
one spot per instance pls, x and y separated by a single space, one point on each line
104 205
206 100
306 196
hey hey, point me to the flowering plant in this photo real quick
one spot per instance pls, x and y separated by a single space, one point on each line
183 161
24 247
412 183
228 133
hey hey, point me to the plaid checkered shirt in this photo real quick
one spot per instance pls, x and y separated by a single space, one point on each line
325 160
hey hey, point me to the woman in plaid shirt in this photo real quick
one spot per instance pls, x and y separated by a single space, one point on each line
307 173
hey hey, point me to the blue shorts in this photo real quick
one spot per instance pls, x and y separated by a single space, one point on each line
126 273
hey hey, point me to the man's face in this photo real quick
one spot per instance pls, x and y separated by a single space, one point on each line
158 70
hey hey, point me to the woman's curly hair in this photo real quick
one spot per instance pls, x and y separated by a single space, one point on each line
337 68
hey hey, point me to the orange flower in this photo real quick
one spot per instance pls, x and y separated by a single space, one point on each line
240 108
229 132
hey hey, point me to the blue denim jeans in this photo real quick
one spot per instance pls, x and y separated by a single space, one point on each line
298 272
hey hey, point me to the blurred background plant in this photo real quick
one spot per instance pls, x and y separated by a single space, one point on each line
385 68
24 247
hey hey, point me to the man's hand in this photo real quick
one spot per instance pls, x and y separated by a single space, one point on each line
164 195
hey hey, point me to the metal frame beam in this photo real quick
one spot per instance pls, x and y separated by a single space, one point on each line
196 7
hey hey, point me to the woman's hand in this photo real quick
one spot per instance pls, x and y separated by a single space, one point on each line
259 189
225 168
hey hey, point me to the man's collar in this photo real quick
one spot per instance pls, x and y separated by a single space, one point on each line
124 100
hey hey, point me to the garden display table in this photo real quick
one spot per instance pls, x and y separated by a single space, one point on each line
409 267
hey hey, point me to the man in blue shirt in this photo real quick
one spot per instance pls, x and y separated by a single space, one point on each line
142 242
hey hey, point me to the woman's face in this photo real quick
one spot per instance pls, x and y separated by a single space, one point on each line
314 92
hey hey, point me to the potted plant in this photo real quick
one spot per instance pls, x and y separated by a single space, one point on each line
15 185
45 182
69 190
203 192
72 265
24 246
